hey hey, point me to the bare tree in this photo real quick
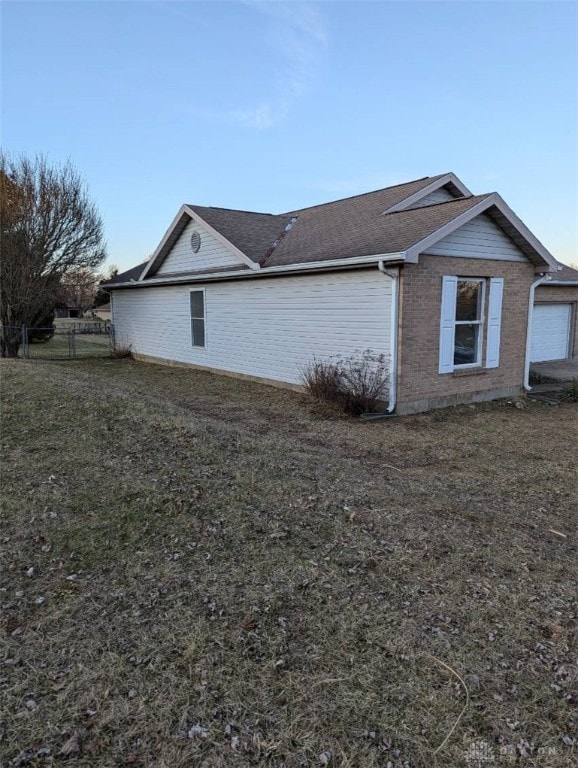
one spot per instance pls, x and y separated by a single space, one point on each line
102 295
78 289
49 229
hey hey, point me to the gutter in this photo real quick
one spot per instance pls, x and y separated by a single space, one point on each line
311 266
393 274
540 281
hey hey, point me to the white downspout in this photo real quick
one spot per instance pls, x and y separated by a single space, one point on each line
393 274
540 281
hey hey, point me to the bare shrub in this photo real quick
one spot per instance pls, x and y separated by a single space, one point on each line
357 383
322 380
121 351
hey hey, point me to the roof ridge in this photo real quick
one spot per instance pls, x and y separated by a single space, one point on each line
234 210
364 194
319 205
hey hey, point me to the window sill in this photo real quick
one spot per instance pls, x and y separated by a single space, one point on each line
475 371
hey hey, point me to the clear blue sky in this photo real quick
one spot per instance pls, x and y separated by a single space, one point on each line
272 106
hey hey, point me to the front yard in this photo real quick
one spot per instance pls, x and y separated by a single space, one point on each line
199 571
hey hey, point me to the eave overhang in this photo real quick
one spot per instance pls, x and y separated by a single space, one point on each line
244 274
505 218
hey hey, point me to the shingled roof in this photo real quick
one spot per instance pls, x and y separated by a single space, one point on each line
353 227
359 228
130 274
566 275
251 233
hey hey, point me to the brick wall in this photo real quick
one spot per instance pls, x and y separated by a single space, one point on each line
420 386
569 295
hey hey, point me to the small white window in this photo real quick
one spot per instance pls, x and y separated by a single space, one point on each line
198 318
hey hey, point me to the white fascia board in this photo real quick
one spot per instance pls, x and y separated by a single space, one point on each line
505 209
435 185
492 201
311 266
168 233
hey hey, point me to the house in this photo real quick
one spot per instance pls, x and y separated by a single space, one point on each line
102 312
67 310
554 327
437 279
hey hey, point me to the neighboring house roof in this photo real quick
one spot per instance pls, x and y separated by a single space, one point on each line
564 276
103 308
130 274
372 224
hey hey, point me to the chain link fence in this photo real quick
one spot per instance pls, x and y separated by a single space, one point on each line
66 341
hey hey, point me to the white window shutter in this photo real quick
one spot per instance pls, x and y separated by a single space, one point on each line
447 324
494 322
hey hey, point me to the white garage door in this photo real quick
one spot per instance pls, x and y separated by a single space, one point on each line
550 332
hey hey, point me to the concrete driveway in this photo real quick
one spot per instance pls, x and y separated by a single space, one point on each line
559 370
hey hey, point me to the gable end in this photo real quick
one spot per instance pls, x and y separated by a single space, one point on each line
480 238
182 258
506 220
441 190
442 195
220 254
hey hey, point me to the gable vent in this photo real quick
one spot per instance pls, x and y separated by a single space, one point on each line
195 241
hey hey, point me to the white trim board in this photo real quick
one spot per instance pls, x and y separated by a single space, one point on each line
310 266
449 178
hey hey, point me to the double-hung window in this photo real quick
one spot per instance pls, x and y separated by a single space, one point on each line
469 321
197 299
464 327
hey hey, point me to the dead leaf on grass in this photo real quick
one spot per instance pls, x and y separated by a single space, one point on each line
92 747
71 747
556 630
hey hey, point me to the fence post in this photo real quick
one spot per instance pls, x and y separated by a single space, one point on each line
24 341
71 344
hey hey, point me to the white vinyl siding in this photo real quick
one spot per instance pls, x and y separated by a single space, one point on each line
211 255
494 322
268 328
439 196
550 332
480 238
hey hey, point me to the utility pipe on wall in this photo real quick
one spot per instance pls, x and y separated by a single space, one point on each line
540 281
393 274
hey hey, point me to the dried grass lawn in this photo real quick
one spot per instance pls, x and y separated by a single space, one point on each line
199 571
